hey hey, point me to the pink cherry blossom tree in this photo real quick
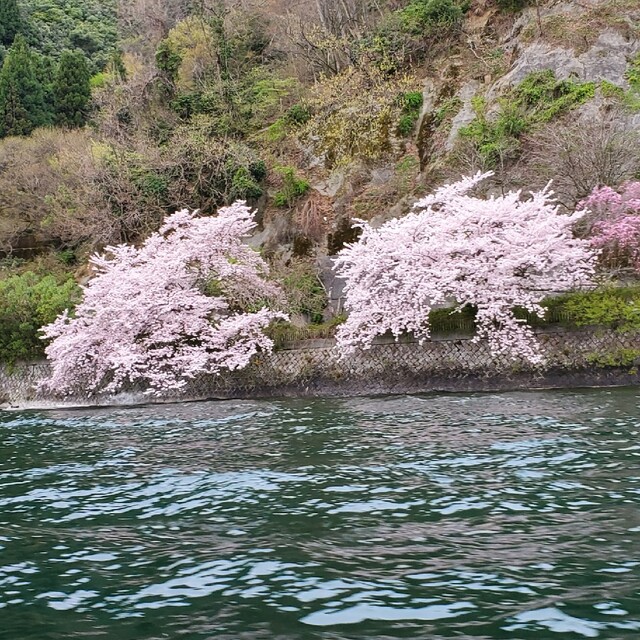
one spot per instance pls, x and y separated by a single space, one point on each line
615 224
495 254
145 318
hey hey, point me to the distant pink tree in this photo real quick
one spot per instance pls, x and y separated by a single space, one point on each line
615 224
145 317
494 254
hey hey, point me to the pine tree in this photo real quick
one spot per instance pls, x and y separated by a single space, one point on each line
71 89
22 95
10 22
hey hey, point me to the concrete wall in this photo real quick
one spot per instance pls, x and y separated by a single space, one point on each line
589 357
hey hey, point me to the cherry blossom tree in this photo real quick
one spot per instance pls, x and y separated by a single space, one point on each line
145 317
614 218
494 254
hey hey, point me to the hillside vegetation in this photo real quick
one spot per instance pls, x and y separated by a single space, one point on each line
114 114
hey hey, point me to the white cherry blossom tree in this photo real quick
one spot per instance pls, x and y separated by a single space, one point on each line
145 317
494 254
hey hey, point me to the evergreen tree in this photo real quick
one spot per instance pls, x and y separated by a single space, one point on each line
22 95
71 89
10 22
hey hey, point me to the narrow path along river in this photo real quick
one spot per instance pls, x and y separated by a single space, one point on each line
485 516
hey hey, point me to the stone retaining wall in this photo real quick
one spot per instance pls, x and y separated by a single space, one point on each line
590 357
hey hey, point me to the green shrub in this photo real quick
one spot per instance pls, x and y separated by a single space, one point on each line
292 187
495 138
545 97
615 307
283 333
243 186
512 5
632 97
277 131
167 59
411 104
298 114
538 99
425 15
623 357
28 302
258 169
304 291
412 101
610 90
406 125
633 73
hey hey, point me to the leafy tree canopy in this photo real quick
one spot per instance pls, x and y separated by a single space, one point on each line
54 26
23 99
10 22
71 89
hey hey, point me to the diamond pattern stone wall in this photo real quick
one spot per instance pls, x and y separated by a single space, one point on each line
586 357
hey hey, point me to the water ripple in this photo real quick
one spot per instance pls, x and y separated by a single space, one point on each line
477 516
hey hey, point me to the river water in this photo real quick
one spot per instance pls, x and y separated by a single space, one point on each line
486 516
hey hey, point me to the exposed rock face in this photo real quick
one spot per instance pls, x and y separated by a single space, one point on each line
607 59
466 114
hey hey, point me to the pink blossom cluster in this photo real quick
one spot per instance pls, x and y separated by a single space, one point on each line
616 227
495 254
145 319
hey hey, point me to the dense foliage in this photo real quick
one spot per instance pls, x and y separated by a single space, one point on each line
48 50
10 22
71 90
538 99
615 307
24 103
27 302
54 26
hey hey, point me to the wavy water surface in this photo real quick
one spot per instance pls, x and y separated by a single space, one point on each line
507 516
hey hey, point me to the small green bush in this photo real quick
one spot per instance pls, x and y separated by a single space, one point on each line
496 138
292 187
512 5
28 302
633 73
546 97
631 98
615 307
411 104
244 186
406 125
304 291
425 15
610 90
298 114
283 333
623 357
167 59
412 101
446 110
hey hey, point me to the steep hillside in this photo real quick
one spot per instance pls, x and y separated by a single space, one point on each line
315 112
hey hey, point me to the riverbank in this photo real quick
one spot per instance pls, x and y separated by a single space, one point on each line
574 358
